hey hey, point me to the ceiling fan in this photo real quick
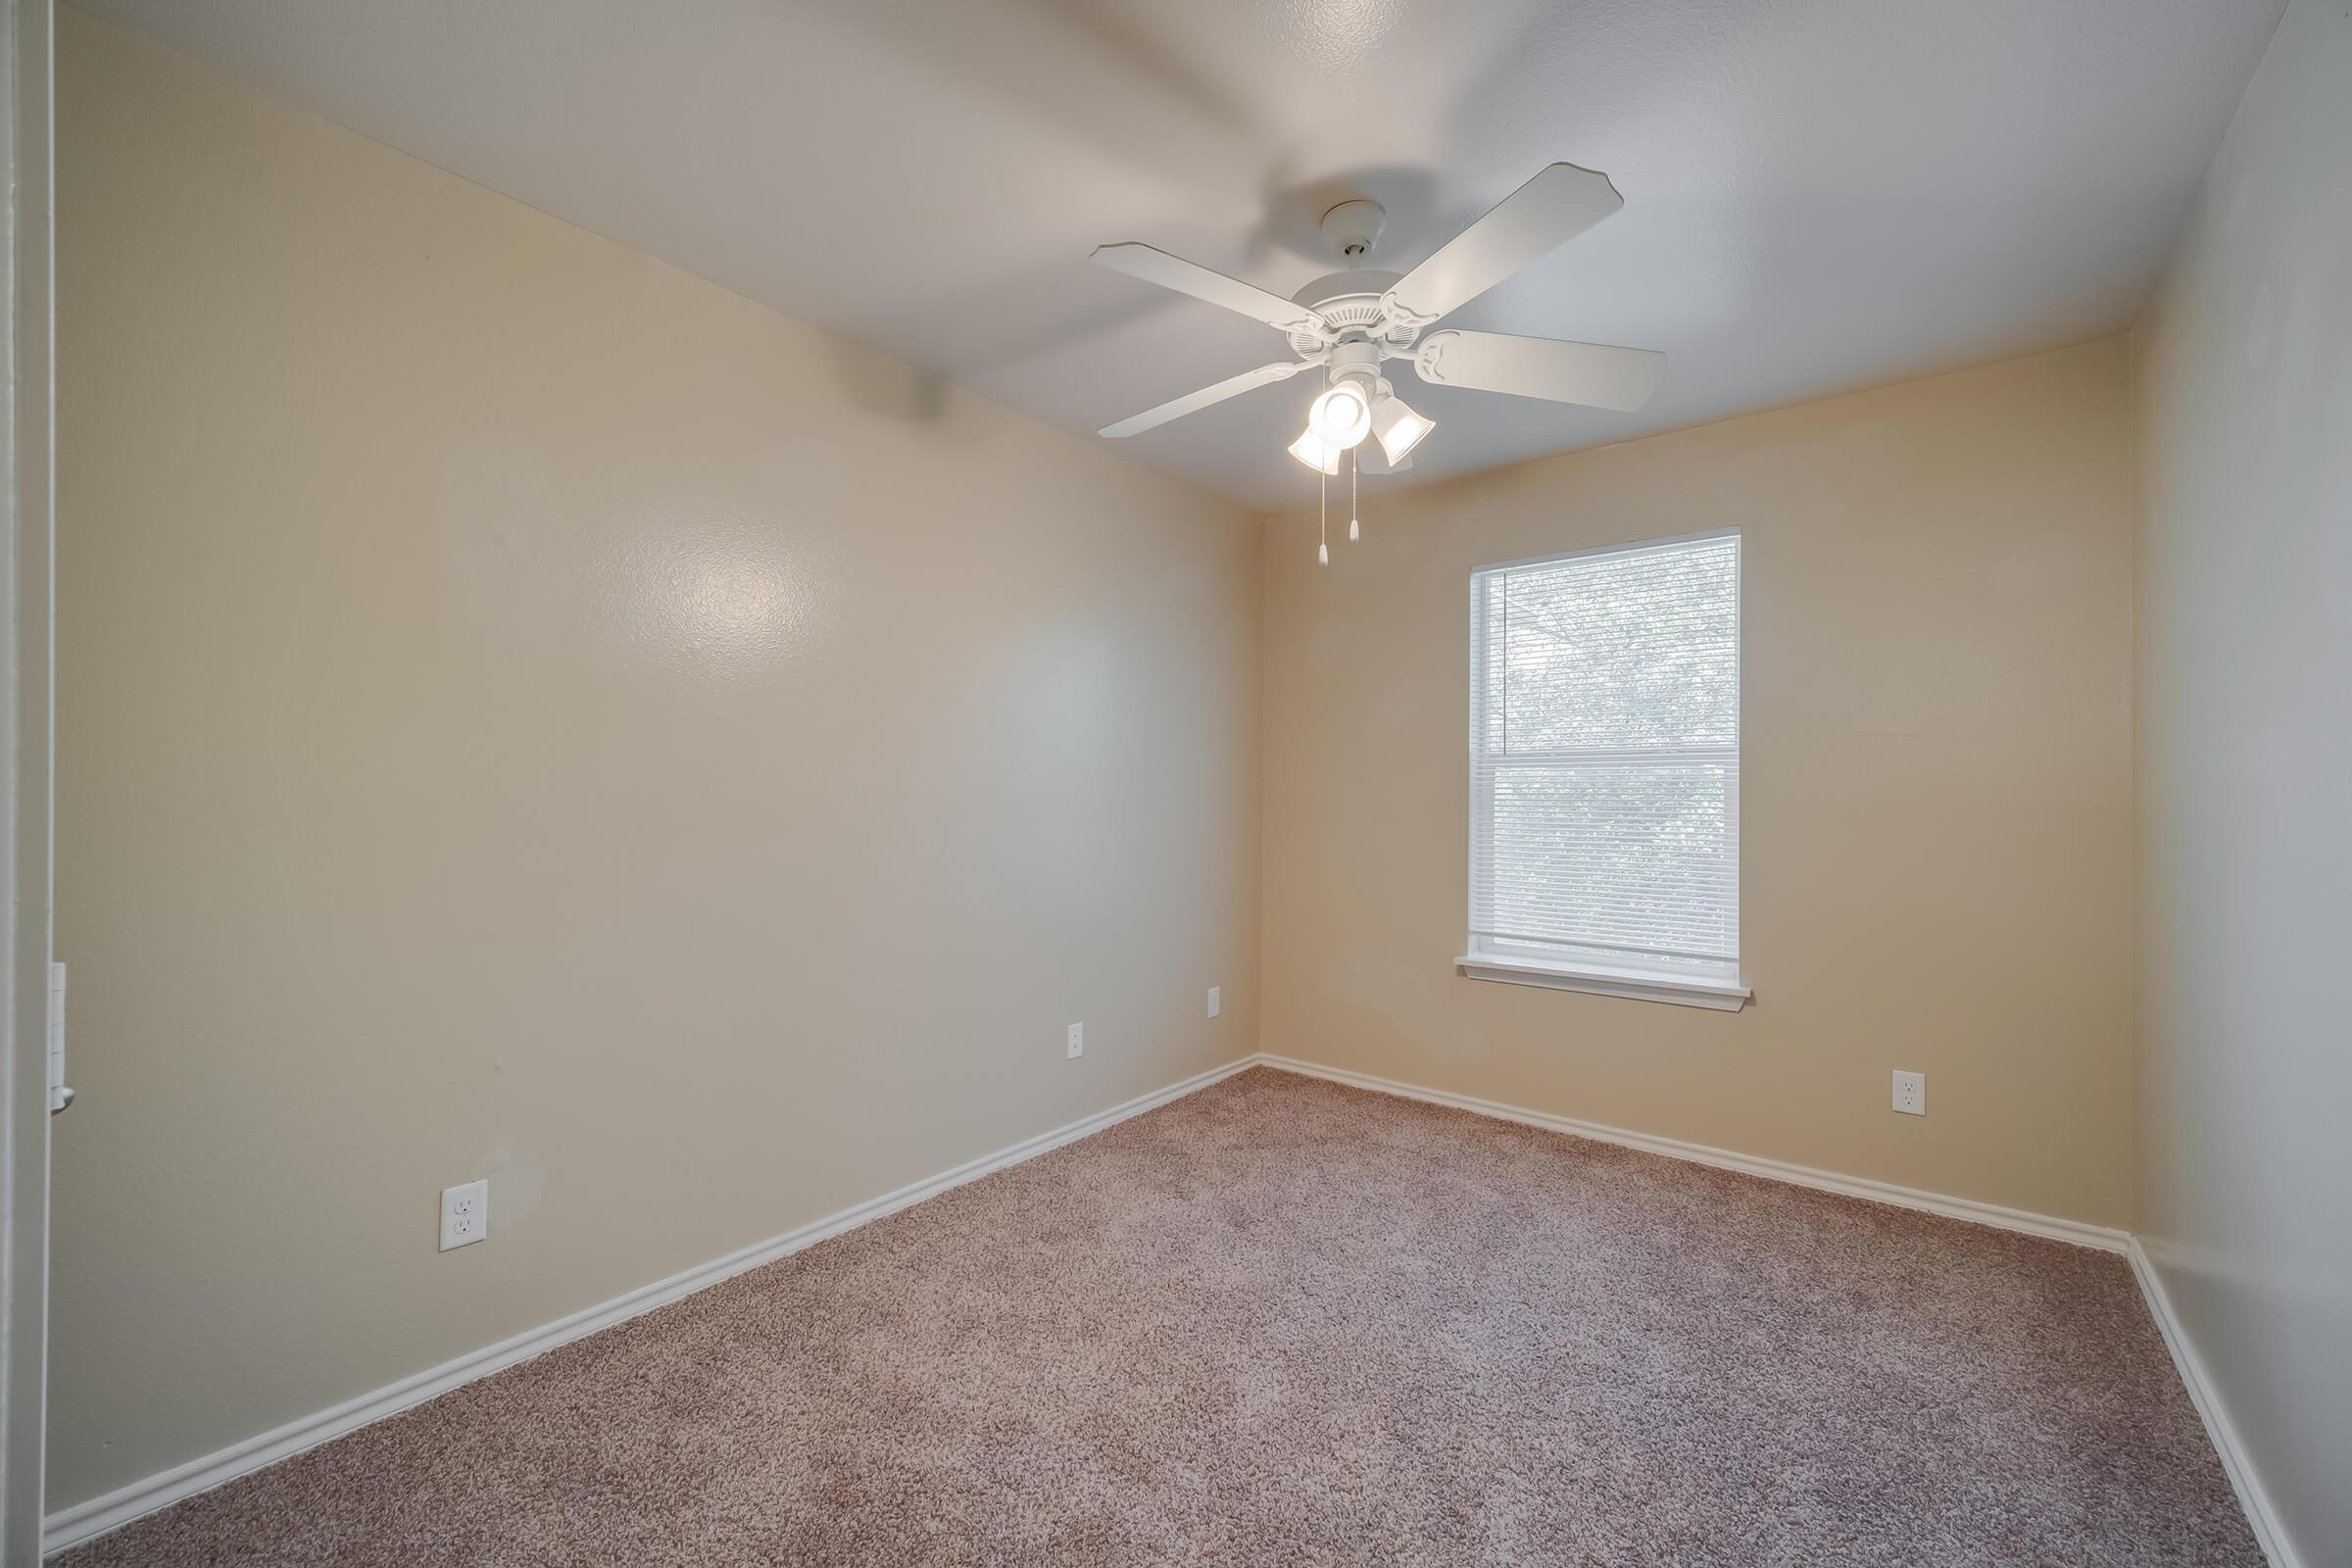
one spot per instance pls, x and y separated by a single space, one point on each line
1351 323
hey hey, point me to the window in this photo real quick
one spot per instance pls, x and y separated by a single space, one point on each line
1605 771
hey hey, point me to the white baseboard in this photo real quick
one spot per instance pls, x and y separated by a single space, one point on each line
2261 1516
2101 1237
2251 1497
69 1527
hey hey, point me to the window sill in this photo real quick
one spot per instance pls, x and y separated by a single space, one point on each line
1601 981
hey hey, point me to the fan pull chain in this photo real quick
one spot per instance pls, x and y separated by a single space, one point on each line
1354 532
1323 549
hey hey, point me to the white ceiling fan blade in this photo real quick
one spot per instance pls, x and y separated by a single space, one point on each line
1192 402
1191 277
1546 213
1592 373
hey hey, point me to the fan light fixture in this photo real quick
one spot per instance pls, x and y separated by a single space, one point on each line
1347 325
1341 416
1315 452
1398 428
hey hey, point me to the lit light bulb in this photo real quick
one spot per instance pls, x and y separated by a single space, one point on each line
1322 555
1341 416
1398 427
1352 534
1316 453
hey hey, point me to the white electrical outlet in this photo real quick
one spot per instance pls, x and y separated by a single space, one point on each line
1213 1003
1077 1040
1911 1093
465 1214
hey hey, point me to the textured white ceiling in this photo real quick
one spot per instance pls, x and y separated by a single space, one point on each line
1820 194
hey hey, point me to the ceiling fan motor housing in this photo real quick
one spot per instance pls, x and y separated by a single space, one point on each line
1348 300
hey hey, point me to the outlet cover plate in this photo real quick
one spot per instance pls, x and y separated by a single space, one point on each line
1911 1093
1214 1004
465 1214
1077 1040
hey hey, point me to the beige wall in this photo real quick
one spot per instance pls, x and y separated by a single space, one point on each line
1935 791
530 712
2245 770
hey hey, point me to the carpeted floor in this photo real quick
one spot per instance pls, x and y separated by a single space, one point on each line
1284 1322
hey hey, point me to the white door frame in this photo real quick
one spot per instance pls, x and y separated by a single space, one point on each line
26 598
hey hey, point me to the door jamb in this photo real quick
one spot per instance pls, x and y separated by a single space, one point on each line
27 605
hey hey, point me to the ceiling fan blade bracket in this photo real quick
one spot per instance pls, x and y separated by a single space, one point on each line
1429 356
1404 321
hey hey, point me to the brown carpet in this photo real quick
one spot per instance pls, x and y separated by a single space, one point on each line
1285 1322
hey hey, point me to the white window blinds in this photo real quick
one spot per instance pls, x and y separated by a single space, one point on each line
1604 759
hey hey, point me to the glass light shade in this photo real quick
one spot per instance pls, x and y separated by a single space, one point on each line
1398 428
1315 452
1341 415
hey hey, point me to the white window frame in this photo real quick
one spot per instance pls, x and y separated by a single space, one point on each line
1487 957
